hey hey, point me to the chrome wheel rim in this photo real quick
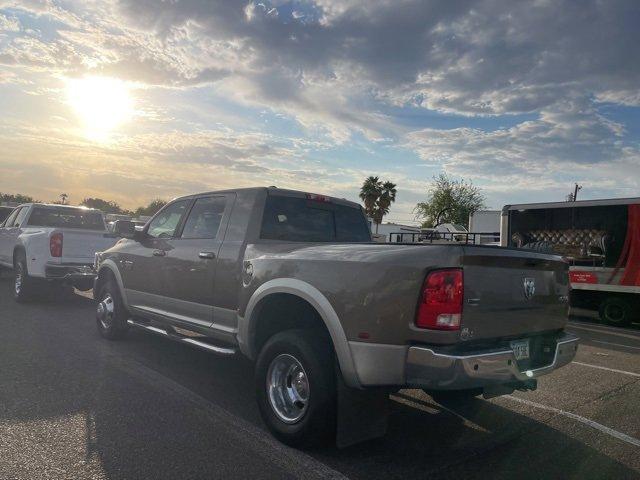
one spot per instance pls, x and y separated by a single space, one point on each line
105 311
288 388
18 281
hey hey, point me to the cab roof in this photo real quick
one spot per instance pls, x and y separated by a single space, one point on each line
275 191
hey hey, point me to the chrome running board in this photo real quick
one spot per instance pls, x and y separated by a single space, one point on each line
189 341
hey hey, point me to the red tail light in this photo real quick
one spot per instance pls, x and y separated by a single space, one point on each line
441 302
55 244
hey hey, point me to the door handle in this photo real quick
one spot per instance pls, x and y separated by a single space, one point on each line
159 253
207 255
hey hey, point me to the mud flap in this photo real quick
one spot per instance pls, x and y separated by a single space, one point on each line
362 414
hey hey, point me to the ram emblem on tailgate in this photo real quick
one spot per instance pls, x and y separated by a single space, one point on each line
529 287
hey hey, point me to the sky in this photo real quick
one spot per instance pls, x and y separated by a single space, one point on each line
132 100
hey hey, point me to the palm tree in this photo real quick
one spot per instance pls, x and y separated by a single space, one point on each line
377 198
370 193
387 197
63 197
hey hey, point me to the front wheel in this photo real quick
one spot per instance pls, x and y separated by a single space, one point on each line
295 387
615 311
111 315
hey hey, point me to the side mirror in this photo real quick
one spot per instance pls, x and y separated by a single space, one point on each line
125 229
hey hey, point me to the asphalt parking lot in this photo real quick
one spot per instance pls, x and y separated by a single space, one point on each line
75 406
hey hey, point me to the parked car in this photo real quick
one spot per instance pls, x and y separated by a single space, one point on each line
49 245
332 320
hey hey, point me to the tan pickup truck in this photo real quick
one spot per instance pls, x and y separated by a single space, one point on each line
333 321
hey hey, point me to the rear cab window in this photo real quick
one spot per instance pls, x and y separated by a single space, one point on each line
298 219
66 217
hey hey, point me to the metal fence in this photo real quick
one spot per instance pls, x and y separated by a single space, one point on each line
477 238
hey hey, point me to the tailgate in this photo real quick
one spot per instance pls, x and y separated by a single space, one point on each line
80 246
511 293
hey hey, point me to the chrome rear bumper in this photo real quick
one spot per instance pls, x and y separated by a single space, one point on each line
70 272
427 368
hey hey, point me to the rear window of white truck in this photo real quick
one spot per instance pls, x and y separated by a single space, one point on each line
66 217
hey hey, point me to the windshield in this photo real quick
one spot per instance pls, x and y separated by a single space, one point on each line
302 220
65 217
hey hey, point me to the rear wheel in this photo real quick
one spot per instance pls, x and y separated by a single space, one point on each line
295 387
24 286
615 311
111 315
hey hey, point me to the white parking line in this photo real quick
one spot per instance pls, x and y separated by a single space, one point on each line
633 374
420 405
598 426
615 344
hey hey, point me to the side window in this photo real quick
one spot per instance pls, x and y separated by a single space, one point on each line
10 220
205 217
165 223
20 217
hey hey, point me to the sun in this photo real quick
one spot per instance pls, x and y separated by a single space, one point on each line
101 103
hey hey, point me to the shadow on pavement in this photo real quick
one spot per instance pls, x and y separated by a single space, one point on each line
54 372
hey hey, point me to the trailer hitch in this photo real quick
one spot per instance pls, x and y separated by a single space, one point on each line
508 388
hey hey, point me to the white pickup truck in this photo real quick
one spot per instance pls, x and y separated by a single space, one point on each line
49 245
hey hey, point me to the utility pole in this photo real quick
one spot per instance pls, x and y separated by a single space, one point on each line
575 192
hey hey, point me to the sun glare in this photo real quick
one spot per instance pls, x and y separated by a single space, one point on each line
101 103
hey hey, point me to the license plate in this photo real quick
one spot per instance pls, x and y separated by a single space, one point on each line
520 349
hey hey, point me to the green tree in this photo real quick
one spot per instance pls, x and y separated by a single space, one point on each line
377 197
151 208
449 201
387 197
106 206
370 193
17 198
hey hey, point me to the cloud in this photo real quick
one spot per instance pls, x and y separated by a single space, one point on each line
136 168
473 58
9 24
569 133
336 68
